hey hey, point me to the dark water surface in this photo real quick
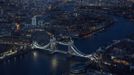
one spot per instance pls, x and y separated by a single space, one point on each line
120 30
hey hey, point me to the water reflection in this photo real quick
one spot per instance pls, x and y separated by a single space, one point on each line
35 55
54 65
54 62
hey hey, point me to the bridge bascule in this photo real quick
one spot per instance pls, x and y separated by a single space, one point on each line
51 46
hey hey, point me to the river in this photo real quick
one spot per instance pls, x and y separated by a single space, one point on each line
42 63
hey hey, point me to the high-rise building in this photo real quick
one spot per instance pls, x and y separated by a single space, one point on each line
34 21
38 20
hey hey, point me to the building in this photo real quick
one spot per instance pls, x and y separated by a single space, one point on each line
38 20
34 21
105 3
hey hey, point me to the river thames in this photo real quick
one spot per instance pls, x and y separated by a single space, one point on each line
43 63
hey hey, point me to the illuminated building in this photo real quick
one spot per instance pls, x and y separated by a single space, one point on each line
34 21
17 26
38 20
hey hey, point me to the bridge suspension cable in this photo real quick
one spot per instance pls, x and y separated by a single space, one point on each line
36 45
78 52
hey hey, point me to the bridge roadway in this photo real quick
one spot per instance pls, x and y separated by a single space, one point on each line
56 51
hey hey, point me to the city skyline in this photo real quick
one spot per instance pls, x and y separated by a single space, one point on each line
66 37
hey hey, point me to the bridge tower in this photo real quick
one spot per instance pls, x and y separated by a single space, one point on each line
70 45
52 43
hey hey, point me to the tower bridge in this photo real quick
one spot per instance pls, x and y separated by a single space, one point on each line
52 47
